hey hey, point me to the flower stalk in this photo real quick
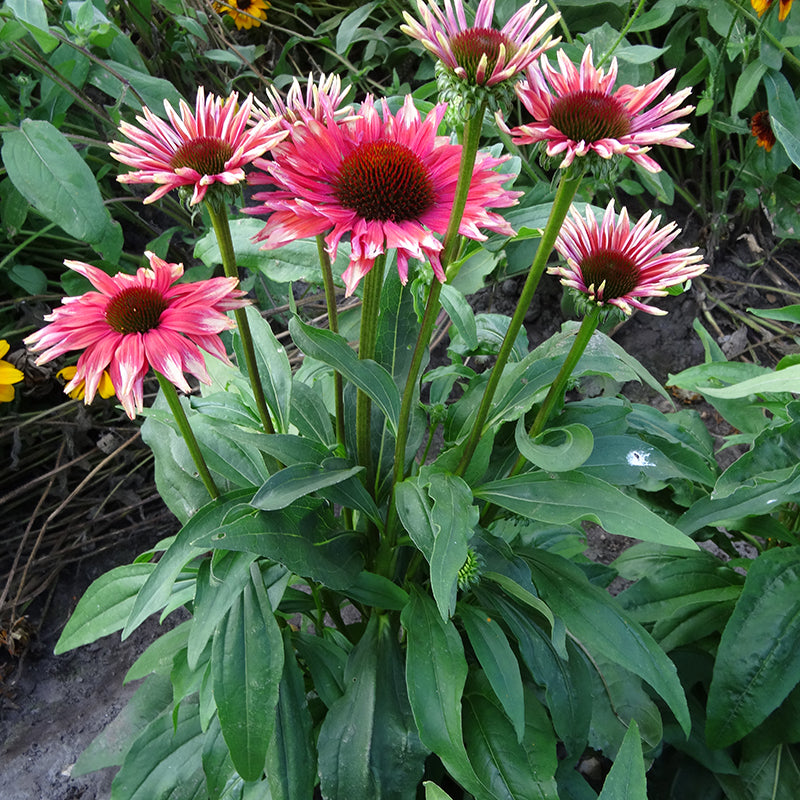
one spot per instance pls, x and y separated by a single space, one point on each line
567 188
222 230
185 428
368 337
555 394
333 325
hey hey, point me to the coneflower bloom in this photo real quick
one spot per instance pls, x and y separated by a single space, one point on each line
760 6
9 374
480 54
105 388
134 322
577 112
324 97
211 145
244 13
761 128
386 181
614 264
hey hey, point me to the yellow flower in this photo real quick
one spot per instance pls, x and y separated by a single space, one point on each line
760 6
9 374
244 13
105 389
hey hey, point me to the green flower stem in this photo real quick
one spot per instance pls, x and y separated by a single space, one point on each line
472 135
333 324
188 436
555 394
222 229
368 337
567 188
469 153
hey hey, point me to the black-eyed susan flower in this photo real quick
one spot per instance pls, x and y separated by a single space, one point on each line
9 374
244 13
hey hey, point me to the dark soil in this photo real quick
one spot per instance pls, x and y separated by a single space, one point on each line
51 707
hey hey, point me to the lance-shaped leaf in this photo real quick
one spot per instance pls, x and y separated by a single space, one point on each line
436 671
568 497
291 757
757 665
368 744
246 665
365 374
598 622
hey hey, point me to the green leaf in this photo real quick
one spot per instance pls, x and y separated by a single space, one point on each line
368 743
745 501
563 676
598 622
348 28
165 760
498 662
153 91
568 497
156 591
453 517
326 662
366 375
177 480
781 380
33 15
273 367
291 757
433 792
784 114
104 606
461 314
626 780
306 540
220 581
436 671
746 86
29 278
296 481
785 314
555 449
756 665
159 656
247 664
377 591
49 173
512 770
309 415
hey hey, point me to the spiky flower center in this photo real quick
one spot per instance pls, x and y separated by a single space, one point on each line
384 181
135 310
586 116
615 272
471 45
206 155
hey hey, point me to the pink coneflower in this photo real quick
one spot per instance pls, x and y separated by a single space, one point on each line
614 263
480 54
577 112
134 322
387 181
198 150
324 97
